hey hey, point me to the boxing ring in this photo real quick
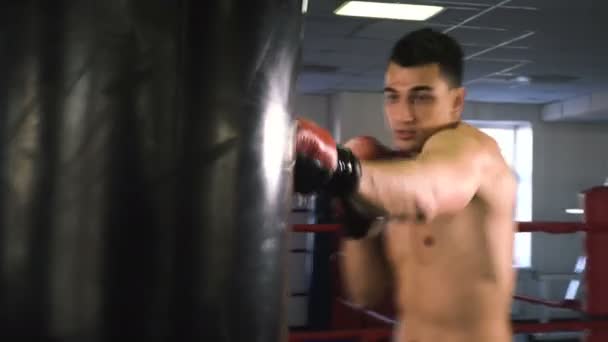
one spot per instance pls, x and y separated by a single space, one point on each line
367 326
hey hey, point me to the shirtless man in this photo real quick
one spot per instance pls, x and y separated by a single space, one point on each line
445 195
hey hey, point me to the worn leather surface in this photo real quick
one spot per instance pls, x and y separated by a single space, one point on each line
145 168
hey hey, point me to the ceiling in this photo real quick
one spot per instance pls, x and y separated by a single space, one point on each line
518 51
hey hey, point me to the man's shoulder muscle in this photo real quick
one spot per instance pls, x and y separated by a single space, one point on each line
459 137
499 183
485 150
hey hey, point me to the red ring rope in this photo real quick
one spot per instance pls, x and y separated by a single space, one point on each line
544 227
372 335
566 304
316 228
552 227
365 335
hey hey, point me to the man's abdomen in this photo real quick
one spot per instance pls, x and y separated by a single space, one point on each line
412 330
456 302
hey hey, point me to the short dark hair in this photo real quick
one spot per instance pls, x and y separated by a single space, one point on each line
427 46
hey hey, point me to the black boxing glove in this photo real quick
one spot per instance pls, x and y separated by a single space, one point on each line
355 223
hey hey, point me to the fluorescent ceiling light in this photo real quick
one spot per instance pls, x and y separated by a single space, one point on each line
575 211
386 10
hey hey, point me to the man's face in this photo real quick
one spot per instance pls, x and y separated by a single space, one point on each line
418 101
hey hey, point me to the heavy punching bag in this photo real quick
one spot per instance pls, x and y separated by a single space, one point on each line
238 70
145 166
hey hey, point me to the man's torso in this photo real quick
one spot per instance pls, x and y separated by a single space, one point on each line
454 275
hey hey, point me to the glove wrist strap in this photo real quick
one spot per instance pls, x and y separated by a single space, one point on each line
345 179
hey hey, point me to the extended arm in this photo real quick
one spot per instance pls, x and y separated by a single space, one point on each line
443 178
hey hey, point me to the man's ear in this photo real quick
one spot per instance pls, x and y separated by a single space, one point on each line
458 101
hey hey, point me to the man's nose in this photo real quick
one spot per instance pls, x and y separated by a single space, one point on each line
405 113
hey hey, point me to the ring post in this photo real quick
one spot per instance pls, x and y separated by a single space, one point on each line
596 276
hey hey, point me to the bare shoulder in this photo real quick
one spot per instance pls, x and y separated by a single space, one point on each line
499 180
465 139
485 143
473 147
488 147
464 131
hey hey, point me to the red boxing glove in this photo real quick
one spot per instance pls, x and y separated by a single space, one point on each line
321 163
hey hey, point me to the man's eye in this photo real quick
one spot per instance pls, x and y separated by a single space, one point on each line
421 98
391 97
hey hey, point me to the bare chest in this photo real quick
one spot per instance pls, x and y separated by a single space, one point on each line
408 242
437 242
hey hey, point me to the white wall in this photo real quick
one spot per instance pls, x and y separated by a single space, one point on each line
568 158
359 114
313 107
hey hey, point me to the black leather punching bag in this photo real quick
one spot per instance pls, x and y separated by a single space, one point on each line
238 70
145 168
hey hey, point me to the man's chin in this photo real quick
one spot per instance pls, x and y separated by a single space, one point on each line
405 146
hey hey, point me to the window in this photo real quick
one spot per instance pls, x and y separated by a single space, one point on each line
515 142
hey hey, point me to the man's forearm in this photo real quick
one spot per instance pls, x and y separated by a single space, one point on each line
443 178
419 189
365 270
396 188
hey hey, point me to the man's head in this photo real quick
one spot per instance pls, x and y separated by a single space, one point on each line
423 87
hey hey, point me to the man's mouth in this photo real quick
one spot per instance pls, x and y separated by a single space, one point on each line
405 134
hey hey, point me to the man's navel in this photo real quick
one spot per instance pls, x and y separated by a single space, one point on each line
428 241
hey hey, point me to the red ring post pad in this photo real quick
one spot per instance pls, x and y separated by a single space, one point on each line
544 227
596 240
